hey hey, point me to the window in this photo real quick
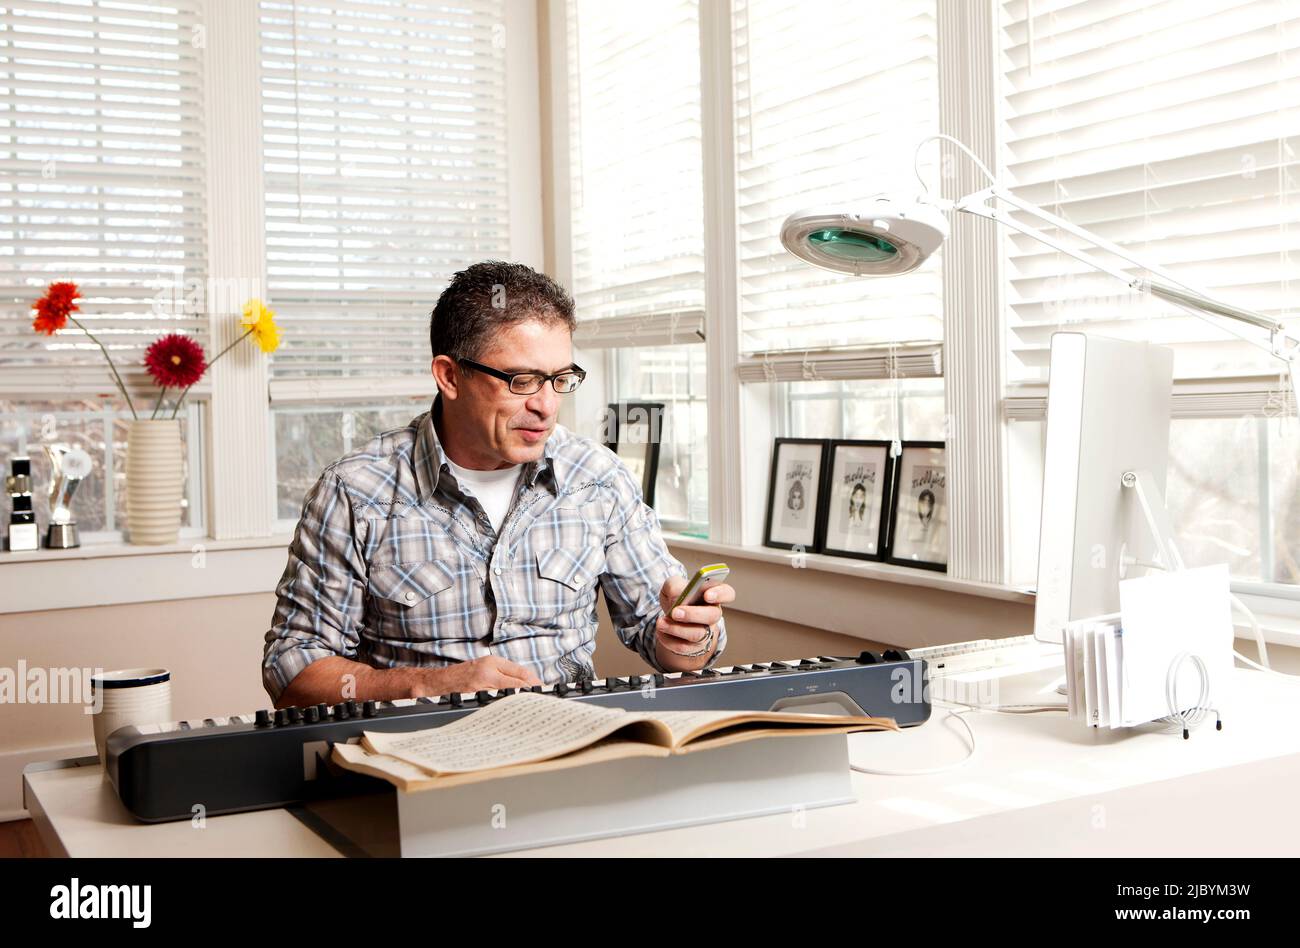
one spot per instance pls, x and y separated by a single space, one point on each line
102 141
310 437
385 153
101 429
1169 129
674 376
636 224
830 101
636 178
912 409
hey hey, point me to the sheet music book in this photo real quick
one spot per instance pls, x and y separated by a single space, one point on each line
532 733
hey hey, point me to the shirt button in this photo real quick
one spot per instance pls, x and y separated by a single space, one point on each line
410 597
497 570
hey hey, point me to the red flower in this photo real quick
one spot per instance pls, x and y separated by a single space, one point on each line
53 308
175 360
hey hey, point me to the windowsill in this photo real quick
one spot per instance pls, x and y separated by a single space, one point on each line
866 569
186 545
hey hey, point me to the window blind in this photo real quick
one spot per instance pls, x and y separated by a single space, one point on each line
1171 129
831 99
385 172
101 146
636 168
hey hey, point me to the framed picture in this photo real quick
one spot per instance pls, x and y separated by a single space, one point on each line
793 494
634 434
859 482
918 532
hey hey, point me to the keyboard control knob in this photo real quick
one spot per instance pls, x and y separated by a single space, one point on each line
868 658
263 718
281 717
505 692
352 708
585 686
323 711
341 712
311 715
482 697
295 715
561 689
895 655
660 680
455 699
368 709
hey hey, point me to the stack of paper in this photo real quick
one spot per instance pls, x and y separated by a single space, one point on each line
1117 668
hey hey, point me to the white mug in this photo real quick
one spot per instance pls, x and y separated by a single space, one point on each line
130 696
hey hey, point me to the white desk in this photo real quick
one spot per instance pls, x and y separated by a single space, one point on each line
1039 785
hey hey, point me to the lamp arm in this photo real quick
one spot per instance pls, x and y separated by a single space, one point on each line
1281 344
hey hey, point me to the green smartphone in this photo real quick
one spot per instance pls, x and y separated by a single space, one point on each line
705 578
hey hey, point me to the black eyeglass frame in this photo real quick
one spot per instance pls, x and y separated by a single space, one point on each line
509 377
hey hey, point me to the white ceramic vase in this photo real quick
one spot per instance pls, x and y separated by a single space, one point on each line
154 480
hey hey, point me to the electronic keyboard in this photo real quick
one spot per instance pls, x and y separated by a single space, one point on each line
277 758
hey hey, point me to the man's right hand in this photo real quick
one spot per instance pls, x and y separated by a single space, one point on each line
491 672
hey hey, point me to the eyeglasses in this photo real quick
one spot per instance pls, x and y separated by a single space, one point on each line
529 383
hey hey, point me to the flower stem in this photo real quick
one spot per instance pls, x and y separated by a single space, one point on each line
210 365
158 404
112 368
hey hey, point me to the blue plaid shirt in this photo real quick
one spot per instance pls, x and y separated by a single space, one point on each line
392 564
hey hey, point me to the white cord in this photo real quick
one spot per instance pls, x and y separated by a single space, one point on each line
1259 635
970 734
916 159
1187 718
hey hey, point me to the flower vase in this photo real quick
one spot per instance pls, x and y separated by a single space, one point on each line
154 480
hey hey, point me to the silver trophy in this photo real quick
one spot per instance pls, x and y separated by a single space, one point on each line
68 467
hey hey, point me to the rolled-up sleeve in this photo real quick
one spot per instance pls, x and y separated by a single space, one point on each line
321 595
637 563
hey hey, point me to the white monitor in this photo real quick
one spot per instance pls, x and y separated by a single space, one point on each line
1108 407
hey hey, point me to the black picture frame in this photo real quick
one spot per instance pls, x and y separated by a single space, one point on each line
623 415
904 549
814 505
881 500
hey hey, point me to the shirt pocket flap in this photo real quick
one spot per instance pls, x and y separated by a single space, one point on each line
409 583
579 498
574 568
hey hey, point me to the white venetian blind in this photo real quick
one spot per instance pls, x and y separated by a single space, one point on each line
1170 129
636 170
101 146
385 173
831 100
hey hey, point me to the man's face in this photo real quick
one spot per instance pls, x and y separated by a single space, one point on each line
497 424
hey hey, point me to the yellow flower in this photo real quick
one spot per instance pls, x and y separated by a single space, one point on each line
261 320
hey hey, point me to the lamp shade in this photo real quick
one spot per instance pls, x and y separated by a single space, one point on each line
881 237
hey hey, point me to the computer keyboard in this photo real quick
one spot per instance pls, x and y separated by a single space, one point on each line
983 654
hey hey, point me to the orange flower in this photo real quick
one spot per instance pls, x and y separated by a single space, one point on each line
52 309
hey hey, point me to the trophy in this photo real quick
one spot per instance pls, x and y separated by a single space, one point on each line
22 518
68 467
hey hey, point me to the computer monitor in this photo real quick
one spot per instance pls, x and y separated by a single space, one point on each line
1108 408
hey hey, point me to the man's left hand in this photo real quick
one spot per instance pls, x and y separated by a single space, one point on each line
686 637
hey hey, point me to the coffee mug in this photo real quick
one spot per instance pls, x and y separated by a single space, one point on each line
130 696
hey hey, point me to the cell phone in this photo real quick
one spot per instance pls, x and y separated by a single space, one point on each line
705 578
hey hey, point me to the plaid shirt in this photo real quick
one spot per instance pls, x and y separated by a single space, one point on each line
392 564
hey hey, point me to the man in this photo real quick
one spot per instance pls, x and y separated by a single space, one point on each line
464 552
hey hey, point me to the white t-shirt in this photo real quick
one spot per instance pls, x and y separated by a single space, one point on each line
495 490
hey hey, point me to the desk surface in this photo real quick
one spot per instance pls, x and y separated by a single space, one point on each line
1040 784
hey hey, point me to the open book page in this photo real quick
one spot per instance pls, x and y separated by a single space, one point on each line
690 726
516 730
410 778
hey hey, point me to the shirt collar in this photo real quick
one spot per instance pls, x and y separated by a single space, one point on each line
429 456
